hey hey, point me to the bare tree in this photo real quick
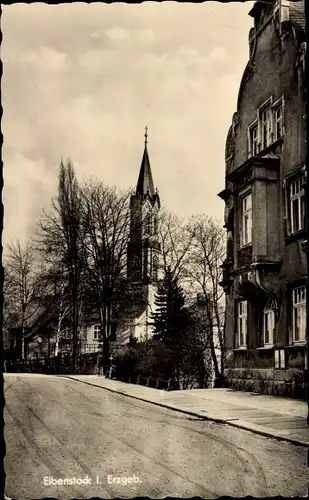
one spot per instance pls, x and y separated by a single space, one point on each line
175 240
22 290
60 240
206 256
106 223
56 286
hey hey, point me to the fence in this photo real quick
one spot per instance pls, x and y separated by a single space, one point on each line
63 364
85 364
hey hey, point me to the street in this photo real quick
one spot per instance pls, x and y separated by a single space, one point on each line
56 428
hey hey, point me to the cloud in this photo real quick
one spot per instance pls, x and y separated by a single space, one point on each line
117 33
82 81
45 59
218 53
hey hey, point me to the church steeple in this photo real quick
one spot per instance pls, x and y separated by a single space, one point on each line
145 181
143 245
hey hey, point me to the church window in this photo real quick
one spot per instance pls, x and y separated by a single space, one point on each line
154 270
155 224
148 223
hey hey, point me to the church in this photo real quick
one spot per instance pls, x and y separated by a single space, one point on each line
143 255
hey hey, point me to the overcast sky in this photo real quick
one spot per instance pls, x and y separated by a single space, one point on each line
82 81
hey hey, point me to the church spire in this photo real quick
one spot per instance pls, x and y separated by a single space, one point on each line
145 181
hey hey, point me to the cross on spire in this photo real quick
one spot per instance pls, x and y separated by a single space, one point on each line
146 135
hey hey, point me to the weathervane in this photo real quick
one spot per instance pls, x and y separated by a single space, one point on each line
146 135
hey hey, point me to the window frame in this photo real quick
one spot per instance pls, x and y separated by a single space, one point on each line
240 316
268 112
243 213
298 196
268 107
154 266
279 359
279 104
253 126
267 311
96 332
298 305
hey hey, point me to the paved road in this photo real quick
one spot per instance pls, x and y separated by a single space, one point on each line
59 428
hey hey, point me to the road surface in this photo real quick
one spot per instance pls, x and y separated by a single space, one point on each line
60 430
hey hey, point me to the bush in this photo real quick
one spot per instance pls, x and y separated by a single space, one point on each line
148 358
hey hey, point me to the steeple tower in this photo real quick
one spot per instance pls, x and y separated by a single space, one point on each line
145 182
143 246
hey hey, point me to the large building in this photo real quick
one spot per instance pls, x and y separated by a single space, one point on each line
264 275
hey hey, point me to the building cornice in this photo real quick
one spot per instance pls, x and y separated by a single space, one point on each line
268 162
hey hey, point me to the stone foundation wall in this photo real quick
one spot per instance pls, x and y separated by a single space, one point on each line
288 383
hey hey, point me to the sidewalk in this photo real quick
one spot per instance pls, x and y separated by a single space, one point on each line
276 417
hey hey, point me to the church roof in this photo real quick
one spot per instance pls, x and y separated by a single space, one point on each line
145 181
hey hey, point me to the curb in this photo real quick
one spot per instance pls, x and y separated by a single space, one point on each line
268 434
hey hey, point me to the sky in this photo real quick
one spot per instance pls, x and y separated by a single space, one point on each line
81 81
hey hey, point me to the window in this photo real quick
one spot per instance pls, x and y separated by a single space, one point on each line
254 139
278 121
268 326
155 224
280 359
267 128
299 314
66 333
96 332
148 223
154 269
297 205
246 219
242 323
265 120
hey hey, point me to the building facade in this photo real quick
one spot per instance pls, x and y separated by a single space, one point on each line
264 274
